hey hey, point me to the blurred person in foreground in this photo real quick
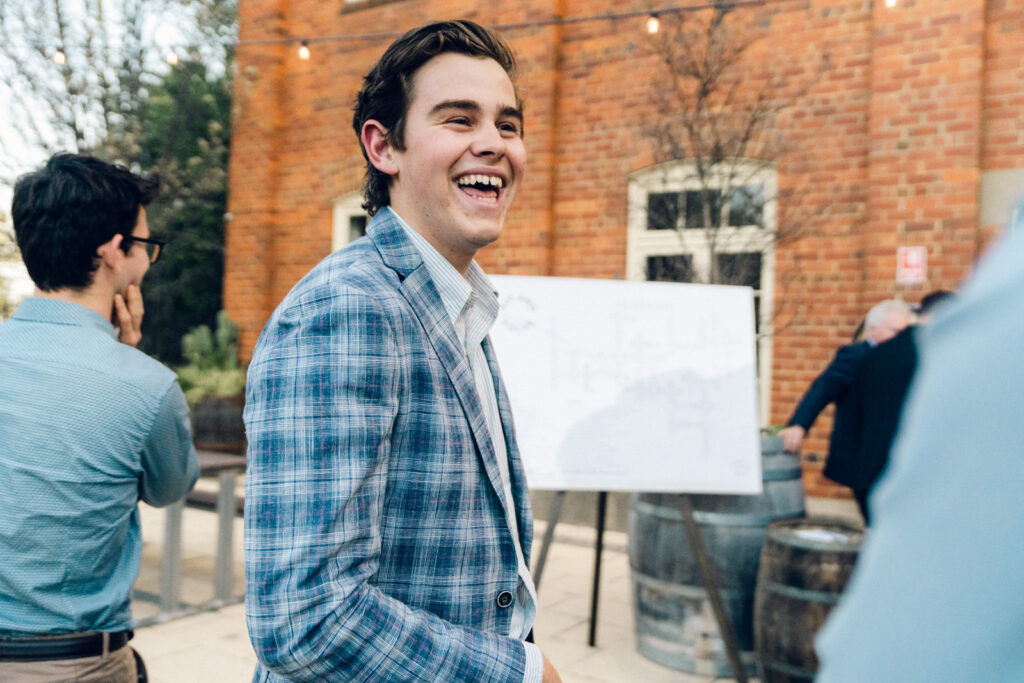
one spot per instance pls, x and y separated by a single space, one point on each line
388 524
89 426
938 593
875 403
882 323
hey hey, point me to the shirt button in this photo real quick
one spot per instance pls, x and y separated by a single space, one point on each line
504 599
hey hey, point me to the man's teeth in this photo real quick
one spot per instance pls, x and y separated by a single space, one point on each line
480 179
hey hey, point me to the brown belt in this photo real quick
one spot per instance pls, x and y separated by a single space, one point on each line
76 646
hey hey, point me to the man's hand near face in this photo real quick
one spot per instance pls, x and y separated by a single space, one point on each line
128 311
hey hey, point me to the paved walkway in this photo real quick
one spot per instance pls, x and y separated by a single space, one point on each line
212 645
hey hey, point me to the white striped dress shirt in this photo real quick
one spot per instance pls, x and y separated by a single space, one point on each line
472 304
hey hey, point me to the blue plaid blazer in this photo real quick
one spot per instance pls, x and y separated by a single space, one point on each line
376 542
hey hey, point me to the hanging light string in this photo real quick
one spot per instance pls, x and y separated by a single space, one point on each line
652 18
652 24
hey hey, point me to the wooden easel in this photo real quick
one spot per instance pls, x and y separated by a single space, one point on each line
704 568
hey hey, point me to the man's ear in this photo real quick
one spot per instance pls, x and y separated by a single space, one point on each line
110 251
374 137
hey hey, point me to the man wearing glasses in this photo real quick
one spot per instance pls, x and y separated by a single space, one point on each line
89 425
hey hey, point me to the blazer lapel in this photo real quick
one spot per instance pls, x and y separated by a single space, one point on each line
520 491
418 288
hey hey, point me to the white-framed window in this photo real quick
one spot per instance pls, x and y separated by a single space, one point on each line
350 219
669 239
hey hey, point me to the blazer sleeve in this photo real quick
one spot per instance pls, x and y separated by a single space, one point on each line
322 399
832 383
844 464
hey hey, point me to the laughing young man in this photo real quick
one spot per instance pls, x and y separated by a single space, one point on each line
388 525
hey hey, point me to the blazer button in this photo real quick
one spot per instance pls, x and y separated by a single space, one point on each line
504 599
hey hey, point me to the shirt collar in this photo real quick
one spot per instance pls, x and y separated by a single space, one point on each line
454 288
60 312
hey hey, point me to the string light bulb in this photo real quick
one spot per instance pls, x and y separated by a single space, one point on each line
304 50
172 58
890 3
59 57
652 23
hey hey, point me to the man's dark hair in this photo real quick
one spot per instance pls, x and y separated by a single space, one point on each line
387 89
929 301
65 210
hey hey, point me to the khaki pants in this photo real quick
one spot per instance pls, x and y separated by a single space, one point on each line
115 667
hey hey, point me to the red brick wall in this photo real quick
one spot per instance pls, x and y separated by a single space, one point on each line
886 149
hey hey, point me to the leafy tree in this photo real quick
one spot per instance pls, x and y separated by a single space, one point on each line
185 137
114 95
8 252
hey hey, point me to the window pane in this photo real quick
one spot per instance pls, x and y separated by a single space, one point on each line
745 270
695 200
746 206
740 269
662 211
674 268
356 227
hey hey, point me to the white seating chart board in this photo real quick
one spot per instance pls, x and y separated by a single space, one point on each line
631 386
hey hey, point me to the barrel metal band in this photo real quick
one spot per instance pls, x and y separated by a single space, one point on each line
790 670
786 537
802 594
781 474
685 590
716 518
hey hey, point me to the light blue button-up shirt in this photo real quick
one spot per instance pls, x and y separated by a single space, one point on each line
472 305
88 427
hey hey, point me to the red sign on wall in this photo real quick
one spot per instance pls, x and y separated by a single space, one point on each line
911 265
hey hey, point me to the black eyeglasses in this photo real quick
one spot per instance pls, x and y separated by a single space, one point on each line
153 247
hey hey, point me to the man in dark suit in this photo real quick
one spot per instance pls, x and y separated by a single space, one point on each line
873 406
882 323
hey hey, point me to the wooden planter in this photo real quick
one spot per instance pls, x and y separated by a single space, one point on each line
217 424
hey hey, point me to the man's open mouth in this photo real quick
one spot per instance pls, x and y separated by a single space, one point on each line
481 186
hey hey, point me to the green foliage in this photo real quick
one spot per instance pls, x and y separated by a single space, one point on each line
212 368
8 252
185 140
6 307
116 97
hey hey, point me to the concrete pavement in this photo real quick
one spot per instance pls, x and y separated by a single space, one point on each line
212 644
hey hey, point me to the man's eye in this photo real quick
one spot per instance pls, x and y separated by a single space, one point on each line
459 121
512 128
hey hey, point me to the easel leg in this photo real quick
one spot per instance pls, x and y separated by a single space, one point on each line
549 534
707 576
602 508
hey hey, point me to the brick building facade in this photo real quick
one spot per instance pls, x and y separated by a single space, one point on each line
913 135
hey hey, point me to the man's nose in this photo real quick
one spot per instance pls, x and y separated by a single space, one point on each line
489 141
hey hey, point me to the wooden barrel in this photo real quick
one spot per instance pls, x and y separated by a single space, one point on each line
675 625
805 565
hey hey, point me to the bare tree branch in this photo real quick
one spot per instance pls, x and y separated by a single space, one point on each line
717 113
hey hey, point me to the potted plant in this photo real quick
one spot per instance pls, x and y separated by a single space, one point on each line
214 386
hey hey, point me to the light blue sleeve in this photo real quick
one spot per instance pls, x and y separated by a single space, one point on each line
170 465
938 593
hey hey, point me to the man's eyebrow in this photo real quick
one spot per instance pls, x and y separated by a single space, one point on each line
473 106
466 105
514 112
